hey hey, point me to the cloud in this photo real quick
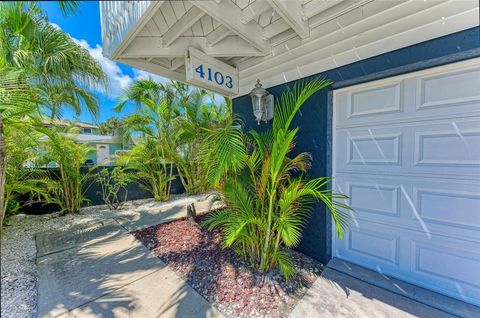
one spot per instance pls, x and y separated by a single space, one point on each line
139 75
56 26
117 80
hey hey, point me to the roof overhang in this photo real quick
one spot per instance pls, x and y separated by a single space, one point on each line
276 41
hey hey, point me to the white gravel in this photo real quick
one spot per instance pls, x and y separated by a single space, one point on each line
18 268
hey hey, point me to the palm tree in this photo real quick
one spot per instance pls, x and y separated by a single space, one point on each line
154 120
267 194
34 55
176 116
111 127
54 97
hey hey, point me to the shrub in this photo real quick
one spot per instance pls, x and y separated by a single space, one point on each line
23 185
111 184
69 184
151 171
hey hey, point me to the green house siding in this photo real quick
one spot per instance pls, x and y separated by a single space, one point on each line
112 149
92 155
115 147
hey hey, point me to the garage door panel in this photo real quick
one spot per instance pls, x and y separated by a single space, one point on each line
409 100
434 147
407 153
435 206
373 245
371 102
452 264
409 255
458 95
427 205
370 149
462 147
372 198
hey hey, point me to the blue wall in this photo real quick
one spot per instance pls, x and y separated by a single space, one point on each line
315 116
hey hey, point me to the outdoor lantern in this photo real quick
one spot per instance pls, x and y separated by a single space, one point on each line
262 103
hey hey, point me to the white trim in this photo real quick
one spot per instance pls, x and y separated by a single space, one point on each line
227 13
292 13
255 9
409 23
217 35
144 47
182 25
153 68
154 6
462 65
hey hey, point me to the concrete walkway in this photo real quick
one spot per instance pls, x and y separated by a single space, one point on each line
100 270
336 294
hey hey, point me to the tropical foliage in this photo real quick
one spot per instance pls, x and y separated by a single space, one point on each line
268 196
171 119
42 70
111 127
69 183
24 184
151 171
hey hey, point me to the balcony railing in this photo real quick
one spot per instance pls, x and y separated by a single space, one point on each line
118 19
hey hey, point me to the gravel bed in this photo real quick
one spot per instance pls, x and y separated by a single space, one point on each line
220 275
18 268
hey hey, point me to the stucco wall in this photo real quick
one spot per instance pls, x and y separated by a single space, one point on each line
315 116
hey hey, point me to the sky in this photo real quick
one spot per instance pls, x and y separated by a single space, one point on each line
85 29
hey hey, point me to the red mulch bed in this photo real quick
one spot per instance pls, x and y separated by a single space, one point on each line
222 277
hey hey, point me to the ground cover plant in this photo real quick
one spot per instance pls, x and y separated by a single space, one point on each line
266 189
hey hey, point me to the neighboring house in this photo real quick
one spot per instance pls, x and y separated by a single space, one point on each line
399 129
106 148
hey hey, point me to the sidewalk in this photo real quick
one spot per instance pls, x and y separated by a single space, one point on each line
100 270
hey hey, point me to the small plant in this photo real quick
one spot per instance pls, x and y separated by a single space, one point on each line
112 184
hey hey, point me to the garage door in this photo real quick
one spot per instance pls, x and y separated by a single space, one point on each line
407 153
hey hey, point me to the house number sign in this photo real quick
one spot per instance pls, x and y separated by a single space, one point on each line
210 73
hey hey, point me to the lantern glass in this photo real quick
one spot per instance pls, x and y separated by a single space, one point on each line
257 107
260 99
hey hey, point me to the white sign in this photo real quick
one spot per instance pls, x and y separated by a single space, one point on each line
210 73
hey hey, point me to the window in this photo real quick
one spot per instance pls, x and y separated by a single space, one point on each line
87 130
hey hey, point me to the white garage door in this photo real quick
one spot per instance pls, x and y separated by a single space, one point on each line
407 152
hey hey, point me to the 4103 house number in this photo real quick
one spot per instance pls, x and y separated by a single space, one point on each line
218 77
210 73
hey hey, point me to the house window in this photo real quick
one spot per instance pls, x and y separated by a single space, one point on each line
87 130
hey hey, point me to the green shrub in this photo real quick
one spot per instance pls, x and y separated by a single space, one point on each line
111 183
151 171
69 185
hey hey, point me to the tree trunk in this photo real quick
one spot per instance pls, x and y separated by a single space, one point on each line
3 164
191 214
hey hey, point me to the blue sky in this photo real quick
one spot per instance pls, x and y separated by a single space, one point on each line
85 29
